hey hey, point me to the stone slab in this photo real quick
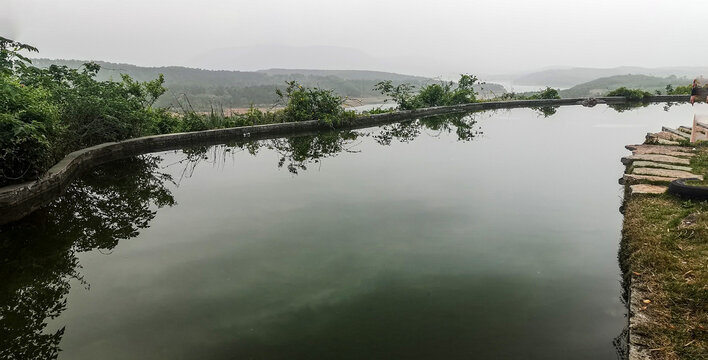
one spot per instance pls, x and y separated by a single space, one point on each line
666 142
687 149
635 179
680 151
647 189
651 164
675 132
656 158
686 129
665 173
664 135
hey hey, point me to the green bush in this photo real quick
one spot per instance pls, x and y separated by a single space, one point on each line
304 104
630 94
97 111
379 110
548 93
46 113
679 90
442 94
28 128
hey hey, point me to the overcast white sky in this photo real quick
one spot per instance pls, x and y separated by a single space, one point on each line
481 36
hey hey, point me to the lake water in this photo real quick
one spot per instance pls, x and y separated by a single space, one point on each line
489 236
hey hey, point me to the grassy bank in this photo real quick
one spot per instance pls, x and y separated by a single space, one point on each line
665 252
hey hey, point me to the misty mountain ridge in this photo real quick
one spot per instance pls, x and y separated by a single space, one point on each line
601 86
346 74
228 88
254 58
569 77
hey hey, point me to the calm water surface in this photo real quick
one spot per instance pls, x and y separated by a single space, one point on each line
492 236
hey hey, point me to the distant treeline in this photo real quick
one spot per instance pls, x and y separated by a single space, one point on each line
203 89
602 86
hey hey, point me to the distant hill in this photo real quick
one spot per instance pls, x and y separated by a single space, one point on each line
253 58
346 74
601 86
228 89
568 77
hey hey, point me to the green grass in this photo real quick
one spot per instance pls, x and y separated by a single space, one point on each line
665 252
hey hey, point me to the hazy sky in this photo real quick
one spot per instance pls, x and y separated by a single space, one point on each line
424 37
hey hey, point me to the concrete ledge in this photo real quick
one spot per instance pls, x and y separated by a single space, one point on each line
19 200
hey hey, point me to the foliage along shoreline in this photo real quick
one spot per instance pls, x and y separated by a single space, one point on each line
47 113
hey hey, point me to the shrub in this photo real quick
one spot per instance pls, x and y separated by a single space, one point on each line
46 113
97 111
442 94
630 94
28 128
679 90
401 94
548 93
192 121
304 104
378 110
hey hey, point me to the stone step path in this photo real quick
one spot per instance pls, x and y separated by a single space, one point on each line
659 161
664 135
636 179
656 158
670 150
677 174
651 164
676 132
647 189
666 142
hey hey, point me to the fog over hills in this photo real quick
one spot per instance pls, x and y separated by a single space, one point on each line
568 77
601 86
228 88
260 57
253 58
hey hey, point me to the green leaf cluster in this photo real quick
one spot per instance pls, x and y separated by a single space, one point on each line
445 93
302 104
47 113
630 94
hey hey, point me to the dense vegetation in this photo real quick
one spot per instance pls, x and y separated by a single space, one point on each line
679 90
630 94
601 86
569 77
46 113
445 93
233 89
547 93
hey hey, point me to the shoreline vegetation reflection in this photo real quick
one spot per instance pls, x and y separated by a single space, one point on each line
115 201
104 206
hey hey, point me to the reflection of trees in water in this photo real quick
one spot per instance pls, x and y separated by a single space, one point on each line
107 204
298 152
546 111
464 126
634 105
114 201
629 106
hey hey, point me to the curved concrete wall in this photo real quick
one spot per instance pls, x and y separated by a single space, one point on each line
19 200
